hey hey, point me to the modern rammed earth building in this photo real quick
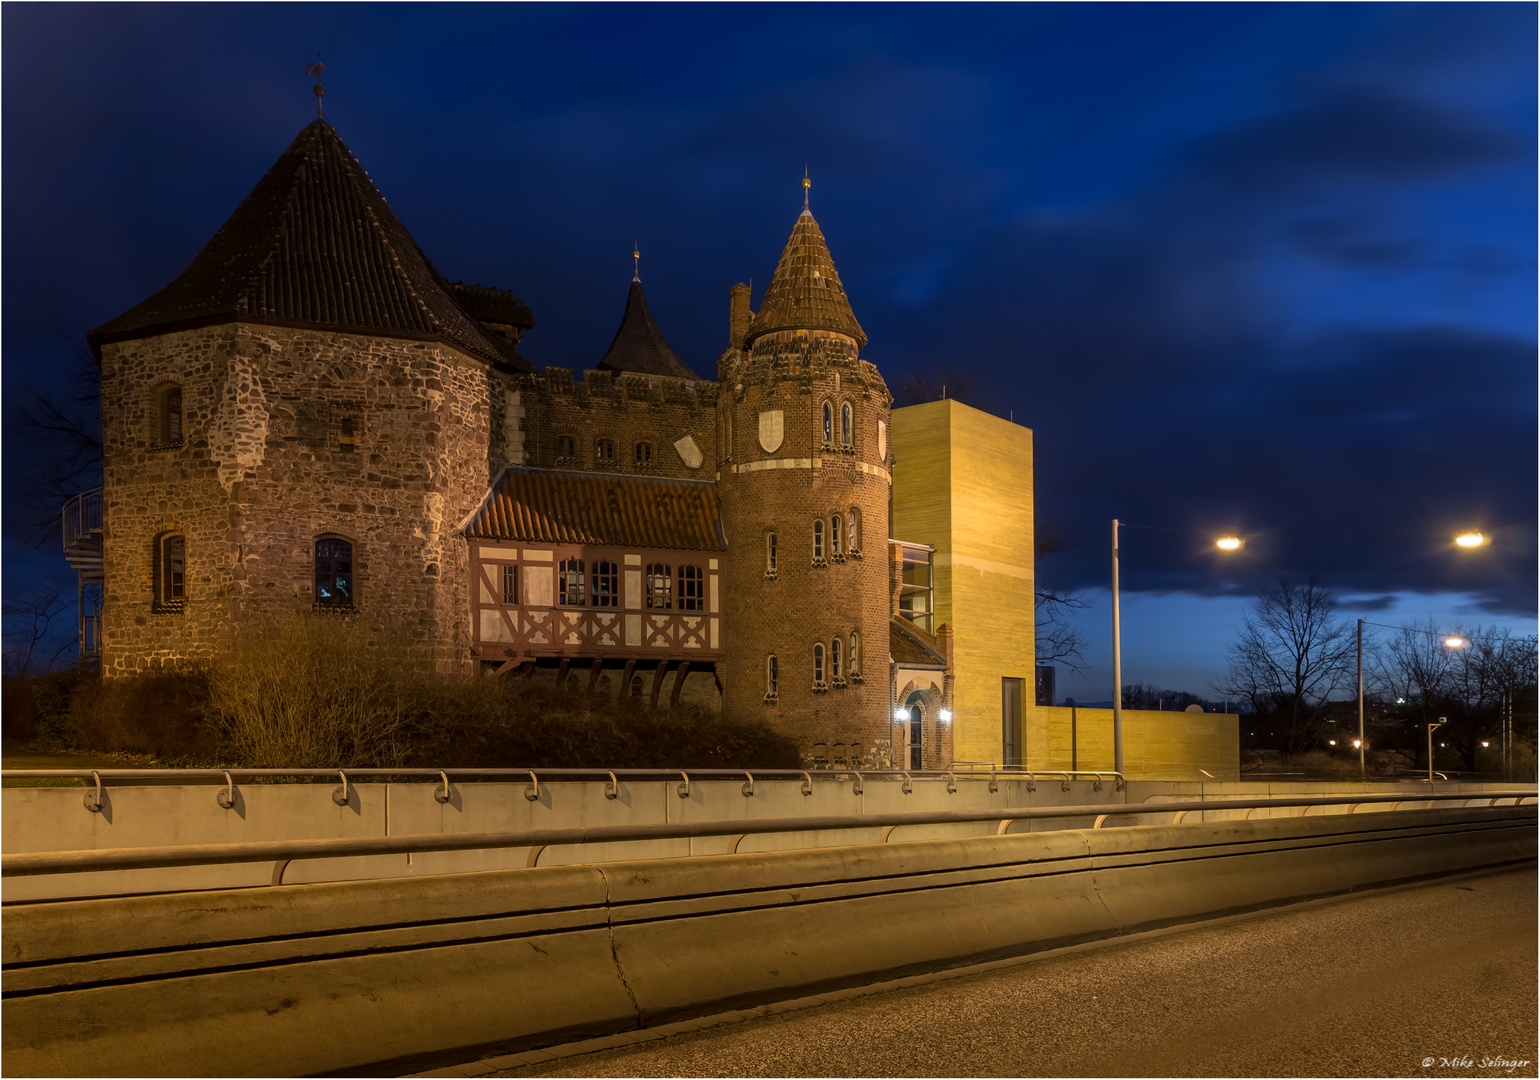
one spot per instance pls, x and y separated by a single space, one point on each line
312 418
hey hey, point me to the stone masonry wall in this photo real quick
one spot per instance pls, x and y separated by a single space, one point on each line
786 489
290 434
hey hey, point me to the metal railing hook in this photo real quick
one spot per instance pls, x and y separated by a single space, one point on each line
807 783
859 788
1097 786
226 798
340 795
1031 782
612 789
908 784
684 788
1064 784
994 785
748 788
441 794
532 789
93 800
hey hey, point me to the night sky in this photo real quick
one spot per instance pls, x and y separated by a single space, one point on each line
1267 269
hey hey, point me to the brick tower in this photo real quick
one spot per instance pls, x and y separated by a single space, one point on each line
805 480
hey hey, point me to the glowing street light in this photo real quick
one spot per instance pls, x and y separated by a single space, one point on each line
1471 539
1229 543
1454 641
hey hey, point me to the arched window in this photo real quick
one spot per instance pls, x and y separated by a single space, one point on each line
818 672
333 572
772 675
604 450
692 588
170 572
835 670
818 539
855 654
770 553
853 530
566 446
828 423
571 583
834 536
171 416
847 425
644 453
660 586
606 582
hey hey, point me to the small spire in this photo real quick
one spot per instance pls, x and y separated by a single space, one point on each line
636 257
806 183
314 71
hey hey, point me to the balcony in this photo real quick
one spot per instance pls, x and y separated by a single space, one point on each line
81 523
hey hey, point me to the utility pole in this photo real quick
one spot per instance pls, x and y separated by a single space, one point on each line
1117 662
1363 773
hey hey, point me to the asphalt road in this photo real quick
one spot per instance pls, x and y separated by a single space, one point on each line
1371 985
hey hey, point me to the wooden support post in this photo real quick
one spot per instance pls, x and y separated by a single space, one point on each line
593 675
673 696
657 682
561 674
625 680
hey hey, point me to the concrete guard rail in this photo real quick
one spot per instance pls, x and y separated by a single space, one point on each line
379 977
283 852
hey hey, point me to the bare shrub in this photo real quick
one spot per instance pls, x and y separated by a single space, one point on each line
311 692
161 713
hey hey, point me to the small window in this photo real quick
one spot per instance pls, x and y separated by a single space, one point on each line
847 427
770 553
171 416
818 539
660 587
347 435
566 446
510 584
828 423
606 592
834 660
834 536
772 675
571 583
170 571
333 573
692 588
604 450
853 530
855 654
644 453
818 672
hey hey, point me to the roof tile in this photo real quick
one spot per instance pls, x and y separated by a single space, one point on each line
552 507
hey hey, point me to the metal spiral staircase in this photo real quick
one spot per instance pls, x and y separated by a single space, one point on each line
81 523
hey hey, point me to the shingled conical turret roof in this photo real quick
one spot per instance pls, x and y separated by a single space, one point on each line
806 293
313 245
640 346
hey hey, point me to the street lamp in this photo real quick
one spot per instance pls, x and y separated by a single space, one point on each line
1442 720
1224 543
1471 539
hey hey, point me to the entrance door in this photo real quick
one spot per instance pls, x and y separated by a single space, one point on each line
1011 697
916 750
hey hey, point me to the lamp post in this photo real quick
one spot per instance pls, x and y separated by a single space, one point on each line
1363 773
1442 720
1117 662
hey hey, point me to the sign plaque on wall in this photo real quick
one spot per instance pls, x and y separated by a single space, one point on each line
772 429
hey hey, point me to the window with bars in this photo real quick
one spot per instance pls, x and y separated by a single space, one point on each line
692 588
835 670
510 584
170 572
660 587
571 583
644 453
333 572
606 585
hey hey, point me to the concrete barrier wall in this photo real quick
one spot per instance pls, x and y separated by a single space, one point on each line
374 976
55 819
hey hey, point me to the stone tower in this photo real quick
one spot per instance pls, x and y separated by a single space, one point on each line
804 483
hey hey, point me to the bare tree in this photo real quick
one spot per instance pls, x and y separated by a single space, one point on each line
944 381
64 429
1291 656
1056 640
30 647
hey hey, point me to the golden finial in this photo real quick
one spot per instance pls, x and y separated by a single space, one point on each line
806 183
636 255
314 71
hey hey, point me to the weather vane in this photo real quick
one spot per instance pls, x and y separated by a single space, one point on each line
636 255
314 71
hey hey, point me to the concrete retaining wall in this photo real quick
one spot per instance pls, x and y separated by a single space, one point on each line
391 974
55 819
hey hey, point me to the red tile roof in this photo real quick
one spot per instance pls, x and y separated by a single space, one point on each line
550 507
913 647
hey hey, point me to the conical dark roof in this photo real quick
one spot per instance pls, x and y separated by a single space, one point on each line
806 293
640 346
315 245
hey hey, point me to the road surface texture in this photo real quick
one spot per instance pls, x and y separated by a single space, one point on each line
1428 980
